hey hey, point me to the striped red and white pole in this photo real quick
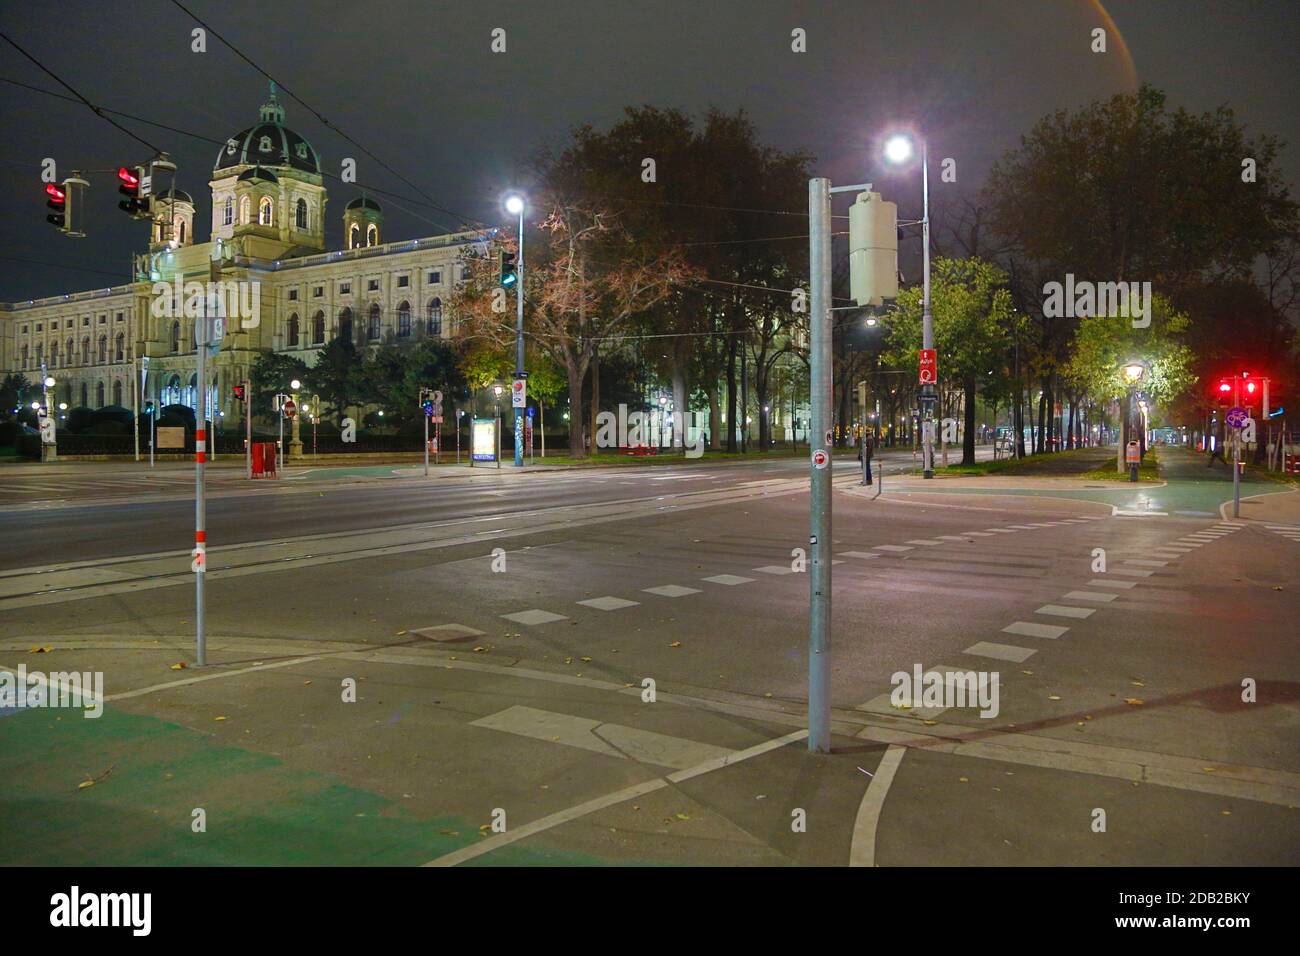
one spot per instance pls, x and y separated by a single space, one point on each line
200 445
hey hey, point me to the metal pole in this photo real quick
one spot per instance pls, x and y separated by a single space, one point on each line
200 517
135 407
1236 453
820 438
927 321
248 429
498 433
153 431
426 441
519 341
279 445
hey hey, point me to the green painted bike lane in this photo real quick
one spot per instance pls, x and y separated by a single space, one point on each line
150 775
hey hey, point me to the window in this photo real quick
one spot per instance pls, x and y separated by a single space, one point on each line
354 236
103 319
317 291
464 271
54 354
435 317
293 331
103 351
435 277
318 329
117 391
181 231
85 321
99 395
176 337
67 324
372 285
25 328
229 216
67 352
403 281
264 211
119 348
345 325
301 214
24 355
85 356
40 354
39 326
404 320
120 316
345 288
293 295
245 207
373 327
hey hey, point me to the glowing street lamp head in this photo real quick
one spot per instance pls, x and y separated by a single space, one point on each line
1133 372
49 381
496 390
514 204
899 149
295 385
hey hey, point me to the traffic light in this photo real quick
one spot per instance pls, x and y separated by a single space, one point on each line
1223 393
509 269
873 249
148 407
135 187
239 392
58 202
426 401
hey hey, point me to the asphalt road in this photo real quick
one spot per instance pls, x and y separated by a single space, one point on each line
501 630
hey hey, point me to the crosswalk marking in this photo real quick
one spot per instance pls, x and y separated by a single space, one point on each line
671 590
1034 629
1101 583
1145 563
775 569
1001 652
979 534
925 541
1135 572
534 616
859 554
1063 610
893 547
728 579
1090 596
608 603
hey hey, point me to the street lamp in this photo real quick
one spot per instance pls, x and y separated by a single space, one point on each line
898 150
1132 372
515 205
295 442
496 392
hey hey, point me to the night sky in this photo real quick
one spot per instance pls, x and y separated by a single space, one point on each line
416 83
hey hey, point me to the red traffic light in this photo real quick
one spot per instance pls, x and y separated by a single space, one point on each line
128 178
239 393
1225 387
1250 387
54 192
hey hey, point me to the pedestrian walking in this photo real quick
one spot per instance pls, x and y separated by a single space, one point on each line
866 451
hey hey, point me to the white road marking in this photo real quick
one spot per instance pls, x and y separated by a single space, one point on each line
534 616
925 541
1145 563
1034 629
862 849
671 590
977 534
1064 610
1001 652
608 603
728 579
498 840
863 555
1134 572
1090 596
1102 583
774 569
894 547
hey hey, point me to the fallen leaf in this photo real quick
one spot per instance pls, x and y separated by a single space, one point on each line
1053 697
585 660
930 723
1030 673
675 644
683 816
84 784
1135 701
218 718
179 666
38 649
964 779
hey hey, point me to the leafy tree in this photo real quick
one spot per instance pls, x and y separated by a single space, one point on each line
338 376
973 326
13 388
271 373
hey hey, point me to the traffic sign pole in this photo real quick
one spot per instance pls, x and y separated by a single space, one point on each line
819 539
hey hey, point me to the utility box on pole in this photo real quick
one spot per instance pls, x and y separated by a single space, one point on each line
873 249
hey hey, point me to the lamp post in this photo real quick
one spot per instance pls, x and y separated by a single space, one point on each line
515 205
899 149
496 392
1132 373
295 444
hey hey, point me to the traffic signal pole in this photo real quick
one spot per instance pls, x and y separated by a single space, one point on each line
1236 453
519 343
199 566
248 429
820 440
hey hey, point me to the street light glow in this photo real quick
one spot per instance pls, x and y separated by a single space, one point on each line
295 385
49 381
1133 372
514 204
899 148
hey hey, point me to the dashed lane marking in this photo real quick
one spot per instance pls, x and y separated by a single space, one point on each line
534 616
728 579
1001 652
1034 629
608 603
671 590
893 547
1063 610
1090 596
863 555
1102 583
775 569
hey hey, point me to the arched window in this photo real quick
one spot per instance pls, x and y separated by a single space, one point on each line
99 395
373 327
85 353
24 353
54 354
40 354
293 331
245 208
354 236
229 216
345 325
264 211
117 391
103 351
180 231
119 348
302 213
372 235
176 337
404 320
318 329
68 353
85 395
435 317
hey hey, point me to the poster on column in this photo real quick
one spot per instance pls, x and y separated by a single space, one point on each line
483 439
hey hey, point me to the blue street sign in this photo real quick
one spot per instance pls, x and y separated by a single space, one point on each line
1236 416
530 411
